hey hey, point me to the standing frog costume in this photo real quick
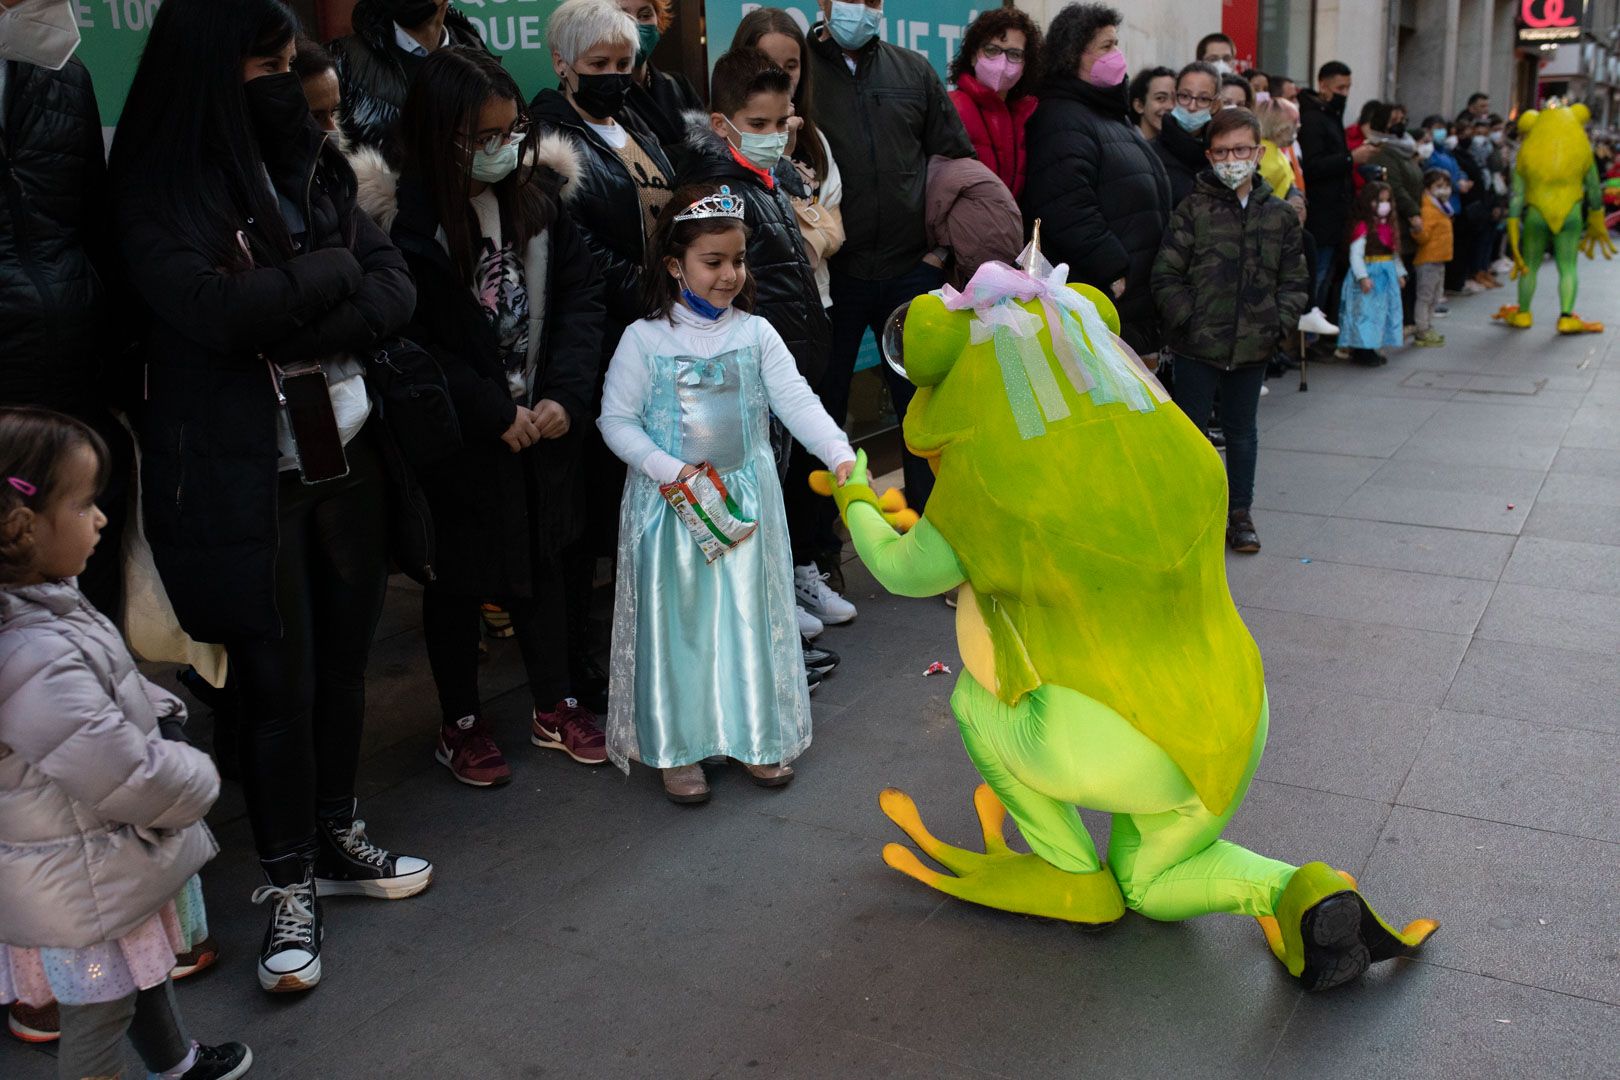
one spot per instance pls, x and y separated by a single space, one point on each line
1555 187
1106 666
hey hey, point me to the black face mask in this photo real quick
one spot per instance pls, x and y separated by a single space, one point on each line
1397 130
410 13
601 95
1335 104
279 111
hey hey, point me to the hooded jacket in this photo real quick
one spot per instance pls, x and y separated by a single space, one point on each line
1398 155
100 816
1329 171
374 73
1101 194
883 122
605 205
1182 154
1230 278
209 458
996 128
494 510
785 291
58 334
971 212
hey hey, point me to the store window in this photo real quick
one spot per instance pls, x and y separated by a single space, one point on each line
1285 39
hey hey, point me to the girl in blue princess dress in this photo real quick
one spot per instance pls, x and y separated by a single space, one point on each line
706 655
1370 303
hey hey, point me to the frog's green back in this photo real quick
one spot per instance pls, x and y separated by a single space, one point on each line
1097 550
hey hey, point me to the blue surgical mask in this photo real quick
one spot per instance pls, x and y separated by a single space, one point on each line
853 25
490 168
700 305
1191 121
761 151
1439 134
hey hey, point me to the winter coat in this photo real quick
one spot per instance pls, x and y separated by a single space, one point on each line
996 128
883 122
100 815
495 512
374 73
971 212
1447 164
58 335
1398 156
1101 194
1434 240
1325 157
662 105
1181 152
1230 279
1275 169
785 292
604 204
209 454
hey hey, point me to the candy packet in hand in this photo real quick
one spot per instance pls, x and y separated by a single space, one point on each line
709 512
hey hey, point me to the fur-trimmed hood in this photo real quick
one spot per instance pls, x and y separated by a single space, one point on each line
377 191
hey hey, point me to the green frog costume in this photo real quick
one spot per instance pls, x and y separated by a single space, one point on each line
1106 665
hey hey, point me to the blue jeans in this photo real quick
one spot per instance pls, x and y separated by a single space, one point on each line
1196 385
857 306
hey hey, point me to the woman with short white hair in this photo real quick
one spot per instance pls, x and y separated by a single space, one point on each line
624 181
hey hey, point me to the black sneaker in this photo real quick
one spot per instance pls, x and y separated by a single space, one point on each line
1240 534
290 959
1217 438
819 660
814 679
348 864
226 1061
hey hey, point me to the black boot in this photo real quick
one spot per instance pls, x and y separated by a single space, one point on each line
290 959
1240 534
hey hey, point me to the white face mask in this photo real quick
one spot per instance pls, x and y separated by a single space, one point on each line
39 32
1383 209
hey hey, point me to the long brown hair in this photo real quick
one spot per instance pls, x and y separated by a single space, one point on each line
34 443
440 114
769 20
671 239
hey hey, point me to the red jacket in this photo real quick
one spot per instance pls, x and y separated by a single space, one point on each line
996 128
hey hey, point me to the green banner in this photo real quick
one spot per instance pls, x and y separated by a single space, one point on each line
515 30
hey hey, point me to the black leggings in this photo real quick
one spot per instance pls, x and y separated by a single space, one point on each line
93 1035
303 696
450 622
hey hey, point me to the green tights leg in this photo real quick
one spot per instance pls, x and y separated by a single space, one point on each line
1565 243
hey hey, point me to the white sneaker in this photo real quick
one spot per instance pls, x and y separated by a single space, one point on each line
1314 322
1470 287
1502 266
810 585
1264 389
809 625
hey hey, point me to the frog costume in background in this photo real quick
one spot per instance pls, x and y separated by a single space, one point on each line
1555 187
1082 516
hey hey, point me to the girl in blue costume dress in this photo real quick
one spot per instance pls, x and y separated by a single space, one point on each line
706 656
1370 303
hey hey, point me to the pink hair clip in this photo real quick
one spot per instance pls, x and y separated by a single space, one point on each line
23 486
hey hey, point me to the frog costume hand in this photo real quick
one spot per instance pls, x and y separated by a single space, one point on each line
1104 663
1555 190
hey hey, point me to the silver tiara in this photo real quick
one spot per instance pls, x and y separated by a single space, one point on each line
722 204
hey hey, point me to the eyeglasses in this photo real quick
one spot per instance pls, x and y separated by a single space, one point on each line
1236 153
1014 56
1201 101
494 144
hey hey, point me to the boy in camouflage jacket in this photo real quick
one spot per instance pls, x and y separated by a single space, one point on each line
1230 282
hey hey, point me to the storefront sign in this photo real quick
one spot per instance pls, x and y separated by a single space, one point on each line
1549 22
933 28
113 32
515 30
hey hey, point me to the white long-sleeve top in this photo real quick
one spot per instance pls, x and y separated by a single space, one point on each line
629 382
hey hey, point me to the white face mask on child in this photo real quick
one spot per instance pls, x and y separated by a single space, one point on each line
1383 209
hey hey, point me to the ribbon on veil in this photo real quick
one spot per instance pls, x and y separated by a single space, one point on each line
1095 361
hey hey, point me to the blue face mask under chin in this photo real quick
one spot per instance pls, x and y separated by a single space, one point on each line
701 306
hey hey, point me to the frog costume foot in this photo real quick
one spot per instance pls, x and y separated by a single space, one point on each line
1326 934
1574 324
1510 315
1000 878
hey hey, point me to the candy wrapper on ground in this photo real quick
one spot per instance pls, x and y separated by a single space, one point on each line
708 511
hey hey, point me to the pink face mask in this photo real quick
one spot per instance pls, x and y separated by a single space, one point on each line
997 74
1261 97
1109 70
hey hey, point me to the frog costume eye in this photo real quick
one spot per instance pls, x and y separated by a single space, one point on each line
922 340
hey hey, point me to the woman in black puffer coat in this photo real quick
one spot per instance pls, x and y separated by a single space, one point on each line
1095 184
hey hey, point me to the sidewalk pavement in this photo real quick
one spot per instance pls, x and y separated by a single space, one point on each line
1438 604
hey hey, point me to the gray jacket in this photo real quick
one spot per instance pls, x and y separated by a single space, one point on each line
100 816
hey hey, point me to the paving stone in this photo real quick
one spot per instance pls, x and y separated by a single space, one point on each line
1536 775
1310 483
1561 618
1583 522
1343 743
1393 546
1586 461
1522 905
1534 682
1565 564
1365 594
1414 666
1342 424
1471 497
